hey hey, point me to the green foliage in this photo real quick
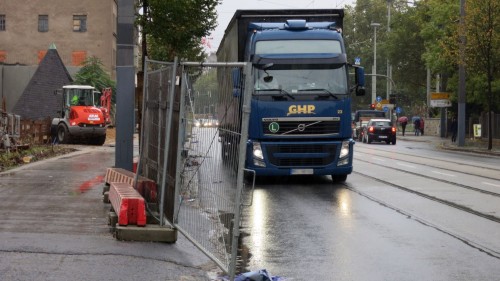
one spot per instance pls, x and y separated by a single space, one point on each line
9 160
205 91
426 35
92 73
175 28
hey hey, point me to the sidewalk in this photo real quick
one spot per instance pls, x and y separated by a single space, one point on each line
478 146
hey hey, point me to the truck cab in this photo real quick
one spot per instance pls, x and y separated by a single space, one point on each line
300 118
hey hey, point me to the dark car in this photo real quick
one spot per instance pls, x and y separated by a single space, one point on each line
381 130
361 118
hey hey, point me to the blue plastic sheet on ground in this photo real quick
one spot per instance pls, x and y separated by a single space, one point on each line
259 275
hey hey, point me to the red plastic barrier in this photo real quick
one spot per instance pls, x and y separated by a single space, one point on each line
146 187
128 204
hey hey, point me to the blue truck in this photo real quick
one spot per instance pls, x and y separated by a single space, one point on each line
300 119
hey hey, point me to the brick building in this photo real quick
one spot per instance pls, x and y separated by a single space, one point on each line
78 28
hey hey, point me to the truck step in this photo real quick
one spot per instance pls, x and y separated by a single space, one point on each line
146 187
128 204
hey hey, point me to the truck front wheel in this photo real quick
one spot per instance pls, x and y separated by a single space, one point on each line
63 134
339 178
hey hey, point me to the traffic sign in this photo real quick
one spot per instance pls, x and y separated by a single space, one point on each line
379 98
398 110
440 96
386 109
440 103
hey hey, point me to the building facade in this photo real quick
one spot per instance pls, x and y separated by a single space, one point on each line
78 28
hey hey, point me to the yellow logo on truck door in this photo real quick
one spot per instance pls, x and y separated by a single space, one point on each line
301 109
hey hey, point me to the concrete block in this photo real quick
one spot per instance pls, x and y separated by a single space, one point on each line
149 233
105 197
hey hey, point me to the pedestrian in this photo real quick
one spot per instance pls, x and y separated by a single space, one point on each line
454 128
416 126
422 123
403 126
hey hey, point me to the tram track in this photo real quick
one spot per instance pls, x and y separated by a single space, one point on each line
435 178
413 165
430 197
469 242
371 152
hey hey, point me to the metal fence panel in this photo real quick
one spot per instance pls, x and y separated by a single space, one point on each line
157 119
209 182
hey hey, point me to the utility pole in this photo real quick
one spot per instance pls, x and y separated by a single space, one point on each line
374 69
389 67
125 86
461 78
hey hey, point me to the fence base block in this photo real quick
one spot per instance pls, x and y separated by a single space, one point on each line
148 233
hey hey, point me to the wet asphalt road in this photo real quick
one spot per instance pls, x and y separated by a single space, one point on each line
53 226
408 212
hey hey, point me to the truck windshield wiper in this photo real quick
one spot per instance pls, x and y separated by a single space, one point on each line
320 89
282 92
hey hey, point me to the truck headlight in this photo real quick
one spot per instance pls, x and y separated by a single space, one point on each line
344 150
257 151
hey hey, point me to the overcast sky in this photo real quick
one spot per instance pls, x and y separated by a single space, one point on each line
226 10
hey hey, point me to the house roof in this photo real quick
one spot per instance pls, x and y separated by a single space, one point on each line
38 100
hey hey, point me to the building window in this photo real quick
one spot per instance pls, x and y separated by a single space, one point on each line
79 23
2 23
3 56
78 57
43 23
41 55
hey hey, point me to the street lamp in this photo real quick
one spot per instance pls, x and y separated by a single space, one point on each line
374 69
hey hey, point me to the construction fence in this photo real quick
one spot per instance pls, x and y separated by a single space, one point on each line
200 181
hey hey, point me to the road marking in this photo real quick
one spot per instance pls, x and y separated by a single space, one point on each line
492 184
405 165
444 174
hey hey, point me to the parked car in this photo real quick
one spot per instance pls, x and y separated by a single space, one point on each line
382 130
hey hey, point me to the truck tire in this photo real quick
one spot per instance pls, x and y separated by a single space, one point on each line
63 134
339 178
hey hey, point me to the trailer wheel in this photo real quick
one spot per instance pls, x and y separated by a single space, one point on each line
63 134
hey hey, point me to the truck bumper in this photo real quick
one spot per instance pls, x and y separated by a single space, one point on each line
300 158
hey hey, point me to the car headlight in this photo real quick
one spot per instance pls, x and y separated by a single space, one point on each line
344 150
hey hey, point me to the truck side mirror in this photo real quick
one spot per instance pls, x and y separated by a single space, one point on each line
359 78
236 75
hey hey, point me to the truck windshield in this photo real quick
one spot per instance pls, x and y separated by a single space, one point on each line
302 79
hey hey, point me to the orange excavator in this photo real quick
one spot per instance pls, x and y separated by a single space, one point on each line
81 118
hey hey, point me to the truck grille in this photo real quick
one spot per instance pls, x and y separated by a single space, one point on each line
301 126
302 155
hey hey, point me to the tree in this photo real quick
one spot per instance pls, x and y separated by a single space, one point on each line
483 55
92 73
176 28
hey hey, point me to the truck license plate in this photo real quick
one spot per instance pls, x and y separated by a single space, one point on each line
302 171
